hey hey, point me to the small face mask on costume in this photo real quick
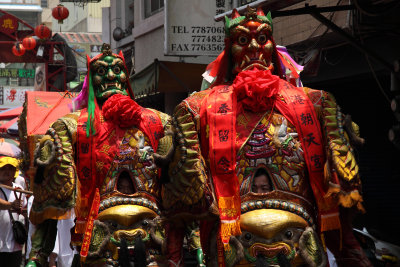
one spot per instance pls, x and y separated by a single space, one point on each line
109 77
251 40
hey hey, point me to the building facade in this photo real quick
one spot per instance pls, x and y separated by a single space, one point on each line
81 30
17 78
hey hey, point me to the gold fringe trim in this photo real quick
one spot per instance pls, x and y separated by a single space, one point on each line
228 229
229 207
351 199
344 199
226 202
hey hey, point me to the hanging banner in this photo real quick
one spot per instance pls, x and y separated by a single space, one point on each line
8 24
13 96
190 29
17 73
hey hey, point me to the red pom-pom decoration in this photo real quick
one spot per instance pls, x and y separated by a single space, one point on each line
122 110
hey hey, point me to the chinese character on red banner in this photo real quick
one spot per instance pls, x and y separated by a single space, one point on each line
8 24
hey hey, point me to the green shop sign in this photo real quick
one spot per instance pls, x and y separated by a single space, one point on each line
17 73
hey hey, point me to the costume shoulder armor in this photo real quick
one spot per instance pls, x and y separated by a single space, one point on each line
341 169
55 179
187 187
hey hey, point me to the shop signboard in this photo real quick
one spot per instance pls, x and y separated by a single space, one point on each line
190 29
17 73
13 96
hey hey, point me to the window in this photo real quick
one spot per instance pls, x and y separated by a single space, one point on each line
44 3
1 95
152 7
245 2
129 16
15 82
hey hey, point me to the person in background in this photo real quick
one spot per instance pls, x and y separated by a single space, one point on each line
62 254
124 184
10 250
20 180
261 182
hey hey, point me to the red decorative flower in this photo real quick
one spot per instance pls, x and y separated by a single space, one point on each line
256 89
122 110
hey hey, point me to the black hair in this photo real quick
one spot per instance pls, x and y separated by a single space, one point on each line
261 171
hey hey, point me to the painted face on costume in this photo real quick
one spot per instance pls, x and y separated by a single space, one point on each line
251 46
109 77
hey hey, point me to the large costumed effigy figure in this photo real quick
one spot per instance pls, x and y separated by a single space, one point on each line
97 162
265 166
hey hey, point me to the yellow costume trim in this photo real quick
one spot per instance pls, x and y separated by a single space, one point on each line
126 215
351 199
50 213
267 223
228 229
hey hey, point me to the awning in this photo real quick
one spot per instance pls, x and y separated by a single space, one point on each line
83 38
44 108
27 8
9 121
10 127
167 77
10 113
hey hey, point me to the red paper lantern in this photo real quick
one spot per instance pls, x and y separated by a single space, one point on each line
60 13
42 31
18 50
29 43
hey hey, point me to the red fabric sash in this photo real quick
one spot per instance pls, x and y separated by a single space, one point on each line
86 170
95 155
305 119
89 226
219 111
152 126
286 63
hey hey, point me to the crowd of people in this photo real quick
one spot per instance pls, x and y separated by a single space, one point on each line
12 207
15 204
